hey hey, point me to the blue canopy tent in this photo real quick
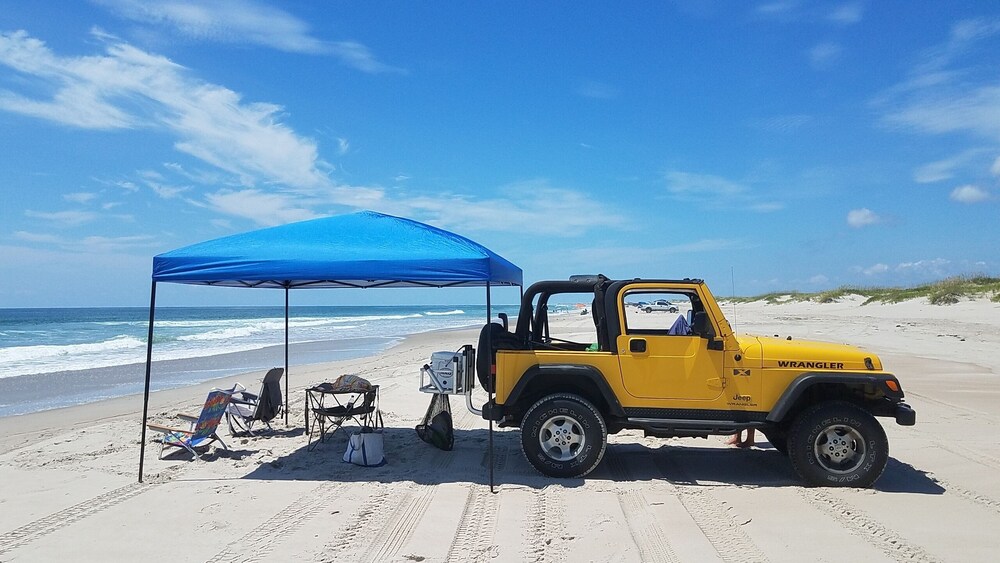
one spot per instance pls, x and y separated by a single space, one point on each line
359 250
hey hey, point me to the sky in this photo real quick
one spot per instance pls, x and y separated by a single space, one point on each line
761 146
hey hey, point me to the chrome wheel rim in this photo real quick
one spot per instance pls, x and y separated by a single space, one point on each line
840 449
561 438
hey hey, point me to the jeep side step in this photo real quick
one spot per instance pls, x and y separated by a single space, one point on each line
670 428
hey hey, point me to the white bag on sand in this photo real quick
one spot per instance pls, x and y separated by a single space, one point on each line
366 448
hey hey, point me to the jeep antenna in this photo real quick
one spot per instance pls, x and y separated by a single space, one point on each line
732 274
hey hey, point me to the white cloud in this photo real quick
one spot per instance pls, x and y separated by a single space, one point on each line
264 208
819 279
995 169
549 210
969 194
80 197
783 123
937 267
91 244
847 13
342 145
598 90
767 207
211 122
875 269
824 53
631 256
687 184
70 218
710 190
858 218
944 169
243 22
942 96
166 191
774 8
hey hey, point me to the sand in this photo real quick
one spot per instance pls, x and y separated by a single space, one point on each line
68 487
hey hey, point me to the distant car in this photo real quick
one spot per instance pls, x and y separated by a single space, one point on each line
660 305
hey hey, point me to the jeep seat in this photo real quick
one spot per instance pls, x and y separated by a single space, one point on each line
501 339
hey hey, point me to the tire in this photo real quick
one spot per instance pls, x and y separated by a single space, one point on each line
778 438
648 309
838 444
563 435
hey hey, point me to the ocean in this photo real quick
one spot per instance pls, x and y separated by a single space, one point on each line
51 358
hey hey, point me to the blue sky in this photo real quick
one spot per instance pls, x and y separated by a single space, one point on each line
798 145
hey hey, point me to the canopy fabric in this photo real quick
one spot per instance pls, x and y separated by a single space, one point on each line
364 249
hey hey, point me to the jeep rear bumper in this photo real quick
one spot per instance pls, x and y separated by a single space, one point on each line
905 415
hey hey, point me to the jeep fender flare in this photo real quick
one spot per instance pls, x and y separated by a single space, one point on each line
570 374
800 384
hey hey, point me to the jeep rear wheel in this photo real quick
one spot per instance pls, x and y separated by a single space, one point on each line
838 444
563 435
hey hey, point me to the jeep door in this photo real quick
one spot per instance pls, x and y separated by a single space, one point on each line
658 355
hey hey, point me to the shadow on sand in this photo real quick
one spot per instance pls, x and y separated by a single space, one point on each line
410 459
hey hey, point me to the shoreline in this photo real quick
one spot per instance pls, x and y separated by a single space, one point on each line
19 429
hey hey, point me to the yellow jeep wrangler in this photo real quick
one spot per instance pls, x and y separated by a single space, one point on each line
677 369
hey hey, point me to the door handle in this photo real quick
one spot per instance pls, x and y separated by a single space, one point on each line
637 345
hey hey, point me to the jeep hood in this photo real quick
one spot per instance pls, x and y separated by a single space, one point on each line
782 353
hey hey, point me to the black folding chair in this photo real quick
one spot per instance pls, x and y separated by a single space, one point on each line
331 407
245 409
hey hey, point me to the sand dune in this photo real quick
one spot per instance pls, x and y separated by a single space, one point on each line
68 485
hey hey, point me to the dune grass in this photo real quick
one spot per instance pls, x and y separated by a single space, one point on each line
943 292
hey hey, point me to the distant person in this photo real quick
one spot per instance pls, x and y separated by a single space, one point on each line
735 439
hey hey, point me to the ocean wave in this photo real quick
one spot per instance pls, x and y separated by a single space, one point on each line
370 318
443 313
44 351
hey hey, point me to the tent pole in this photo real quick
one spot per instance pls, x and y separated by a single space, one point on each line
489 395
286 356
149 363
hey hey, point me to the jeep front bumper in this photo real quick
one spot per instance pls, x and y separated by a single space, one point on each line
905 415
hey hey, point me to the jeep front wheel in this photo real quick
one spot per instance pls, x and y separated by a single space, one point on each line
838 444
563 435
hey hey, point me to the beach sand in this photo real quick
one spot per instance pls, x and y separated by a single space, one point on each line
68 487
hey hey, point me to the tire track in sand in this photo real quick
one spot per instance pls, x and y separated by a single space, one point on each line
974 497
477 528
387 522
58 520
643 526
545 526
259 542
860 524
711 515
474 539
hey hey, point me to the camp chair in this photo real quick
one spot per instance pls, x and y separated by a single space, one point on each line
349 403
246 408
203 427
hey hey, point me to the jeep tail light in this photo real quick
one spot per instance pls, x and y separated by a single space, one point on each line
892 384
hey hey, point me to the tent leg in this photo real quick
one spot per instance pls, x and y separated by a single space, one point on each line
149 363
489 319
286 356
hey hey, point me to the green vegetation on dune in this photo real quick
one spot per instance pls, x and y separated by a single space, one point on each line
943 292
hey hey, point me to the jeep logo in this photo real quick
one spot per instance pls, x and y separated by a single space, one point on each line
742 398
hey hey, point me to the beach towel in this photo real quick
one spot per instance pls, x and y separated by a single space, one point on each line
349 382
